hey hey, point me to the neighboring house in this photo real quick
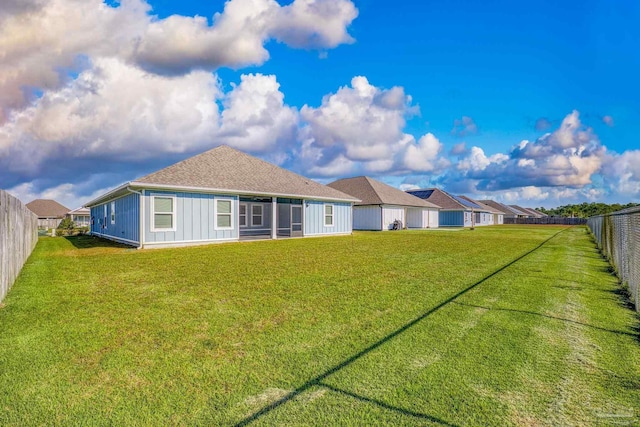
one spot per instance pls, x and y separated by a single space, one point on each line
81 217
50 213
454 211
521 212
531 212
220 195
542 214
381 205
509 211
485 215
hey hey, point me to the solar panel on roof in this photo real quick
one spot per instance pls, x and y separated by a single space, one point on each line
423 194
466 202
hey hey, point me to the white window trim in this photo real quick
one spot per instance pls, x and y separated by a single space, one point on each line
324 215
104 219
215 213
261 216
246 212
152 225
113 212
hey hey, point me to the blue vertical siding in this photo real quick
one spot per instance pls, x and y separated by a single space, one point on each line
453 219
195 219
127 224
314 218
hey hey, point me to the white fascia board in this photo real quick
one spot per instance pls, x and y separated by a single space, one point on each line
235 192
108 196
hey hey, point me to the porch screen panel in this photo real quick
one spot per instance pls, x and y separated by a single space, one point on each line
296 219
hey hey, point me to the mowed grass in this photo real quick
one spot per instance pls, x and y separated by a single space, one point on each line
509 325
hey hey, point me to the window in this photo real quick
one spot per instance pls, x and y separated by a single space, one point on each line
256 215
164 213
243 215
328 215
113 212
104 221
224 214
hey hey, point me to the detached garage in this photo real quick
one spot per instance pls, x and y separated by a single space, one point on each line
383 207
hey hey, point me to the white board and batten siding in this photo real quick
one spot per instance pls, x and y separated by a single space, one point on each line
382 217
422 218
194 220
314 218
390 214
376 217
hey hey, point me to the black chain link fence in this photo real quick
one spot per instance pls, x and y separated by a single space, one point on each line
618 237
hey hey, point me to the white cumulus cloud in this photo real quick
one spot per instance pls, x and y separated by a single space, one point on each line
42 44
111 111
255 117
425 156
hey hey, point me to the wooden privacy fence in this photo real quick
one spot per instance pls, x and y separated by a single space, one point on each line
18 237
618 237
547 220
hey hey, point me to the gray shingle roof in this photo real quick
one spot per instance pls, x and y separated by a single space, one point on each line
528 211
47 208
373 192
440 198
522 210
498 206
227 169
482 205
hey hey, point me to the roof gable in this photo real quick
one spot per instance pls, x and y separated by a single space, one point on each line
227 169
47 208
519 210
497 206
439 197
482 206
374 192
528 211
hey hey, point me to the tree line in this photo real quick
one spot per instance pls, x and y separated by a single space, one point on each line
585 210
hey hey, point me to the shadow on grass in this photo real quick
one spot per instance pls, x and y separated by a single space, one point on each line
87 242
387 406
318 380
625 299
562 319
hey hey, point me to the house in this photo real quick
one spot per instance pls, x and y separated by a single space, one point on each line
381 205
531 212
81 217
454 211
485 215
220 195
541 214
50 213
509 211
520 212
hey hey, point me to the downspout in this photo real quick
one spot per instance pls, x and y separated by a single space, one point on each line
141 226
473 220
405 225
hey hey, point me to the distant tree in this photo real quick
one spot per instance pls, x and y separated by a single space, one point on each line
585 210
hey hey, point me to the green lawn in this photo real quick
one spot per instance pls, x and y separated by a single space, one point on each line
509 325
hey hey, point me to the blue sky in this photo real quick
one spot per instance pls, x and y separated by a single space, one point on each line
533 103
